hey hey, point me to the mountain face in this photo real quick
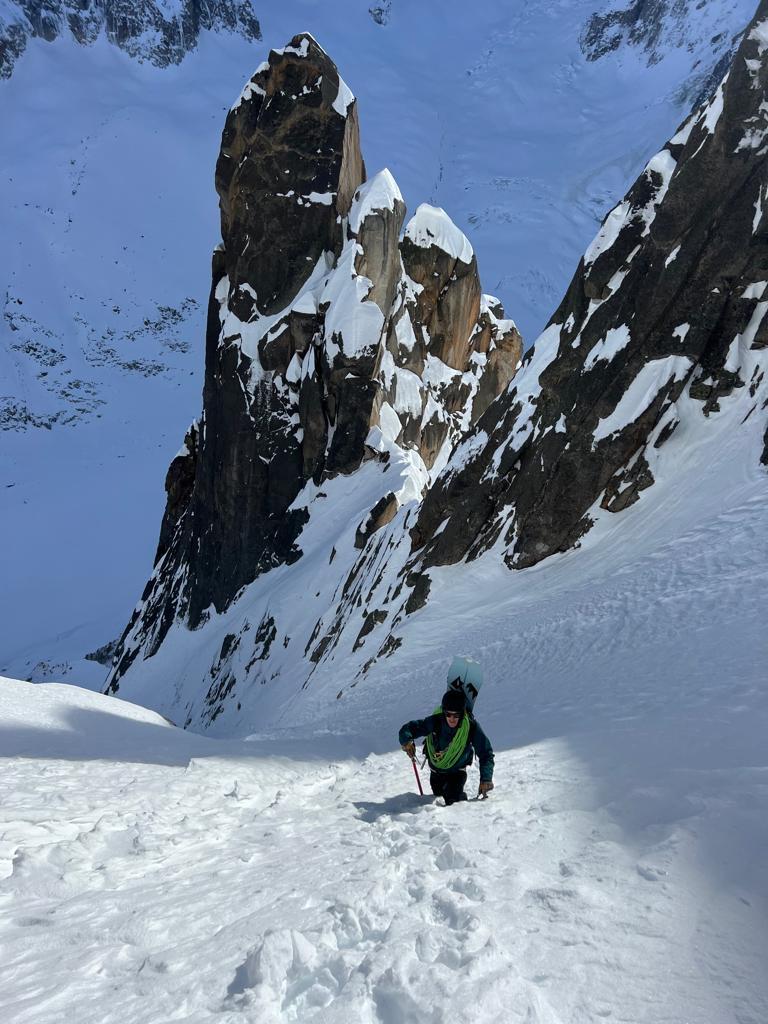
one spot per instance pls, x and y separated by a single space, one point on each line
655 28
158 32
331 342
654 25
665 313
661 327
109 220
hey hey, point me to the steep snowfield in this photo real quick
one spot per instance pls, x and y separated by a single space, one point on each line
617 872
108 216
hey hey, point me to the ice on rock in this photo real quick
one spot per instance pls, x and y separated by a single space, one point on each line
404 332
762 195
643 390
302 50
760 34
616 339
344 98
663 165
323 198
672 256
389 423
756 290
431 225
250 89
488 305
714 109
682 136
408 387
356 323
749 333
378 193
681 332
609 232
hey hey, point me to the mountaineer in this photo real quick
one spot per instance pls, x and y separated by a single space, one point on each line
453 736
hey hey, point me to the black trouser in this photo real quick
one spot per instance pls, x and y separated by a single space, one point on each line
449 785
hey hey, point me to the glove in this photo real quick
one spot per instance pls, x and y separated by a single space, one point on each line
484 790
410 749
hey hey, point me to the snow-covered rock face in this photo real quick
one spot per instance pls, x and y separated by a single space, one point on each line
325 451
659 28
665 318
330 344
654 26
160 31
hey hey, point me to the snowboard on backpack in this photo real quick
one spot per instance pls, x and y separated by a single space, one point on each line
467 676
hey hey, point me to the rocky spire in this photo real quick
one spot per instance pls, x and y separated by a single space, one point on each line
330 343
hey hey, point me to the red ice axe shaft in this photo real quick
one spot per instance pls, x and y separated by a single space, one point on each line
418 780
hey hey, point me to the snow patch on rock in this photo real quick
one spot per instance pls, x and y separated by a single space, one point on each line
380 192
431 225
616 339
653 376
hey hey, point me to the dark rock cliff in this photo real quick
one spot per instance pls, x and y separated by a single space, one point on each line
667 306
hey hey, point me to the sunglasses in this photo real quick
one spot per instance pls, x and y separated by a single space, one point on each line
451 714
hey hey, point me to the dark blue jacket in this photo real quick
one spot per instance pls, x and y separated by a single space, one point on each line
437 726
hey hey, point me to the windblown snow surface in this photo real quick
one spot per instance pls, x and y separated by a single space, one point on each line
108 216
618 871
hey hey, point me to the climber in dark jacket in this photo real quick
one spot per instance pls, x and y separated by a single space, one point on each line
452 737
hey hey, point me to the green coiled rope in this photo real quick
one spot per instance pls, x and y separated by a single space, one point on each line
446 759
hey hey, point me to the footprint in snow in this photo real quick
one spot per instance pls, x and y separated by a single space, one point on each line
351 928
285 972
650 873
436 833
417 890
553 900
453 959
394 1003
447 912
467 886
449 858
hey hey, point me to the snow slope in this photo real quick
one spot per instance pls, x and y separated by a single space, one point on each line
109 215
617 872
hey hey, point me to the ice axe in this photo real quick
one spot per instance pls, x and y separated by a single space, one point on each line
410 749
418 779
